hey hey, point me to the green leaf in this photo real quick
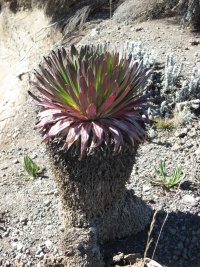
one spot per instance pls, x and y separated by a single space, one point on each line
167 180
30 166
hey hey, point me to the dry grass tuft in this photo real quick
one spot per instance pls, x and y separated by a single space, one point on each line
164 123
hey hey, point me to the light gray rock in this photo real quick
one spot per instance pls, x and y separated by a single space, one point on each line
175 147
48 244
118 258
190 200
181 132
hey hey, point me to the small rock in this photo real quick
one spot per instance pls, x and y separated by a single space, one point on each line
146 188
197 152
180 246
15 161
23 220
151 263
48 244
4 168
18 256
6 234
175 147
118 258
47 203
172 231
33 156
131 258
188 199
192 133
15 135
194 239
40 256
181 133
28 264
7 264
139 29
19 247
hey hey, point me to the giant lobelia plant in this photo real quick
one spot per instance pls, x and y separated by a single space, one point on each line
93 115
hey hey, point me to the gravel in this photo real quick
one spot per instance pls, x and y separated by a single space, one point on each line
30 226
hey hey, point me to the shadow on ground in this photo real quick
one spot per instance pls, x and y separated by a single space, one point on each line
179 244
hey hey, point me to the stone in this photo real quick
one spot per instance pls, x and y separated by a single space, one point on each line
47 203
131 258
7 264
40 256
15 161
188 199
19 247
175 147
18 256
181 133
192 133
23 220
48 244
151 263
146 188
172 231
118 258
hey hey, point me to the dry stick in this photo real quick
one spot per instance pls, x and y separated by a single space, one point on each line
110 10
164 222
44 28
149 233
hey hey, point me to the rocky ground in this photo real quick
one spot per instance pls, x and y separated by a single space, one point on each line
30 227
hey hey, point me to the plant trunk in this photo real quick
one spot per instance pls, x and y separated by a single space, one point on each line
96 205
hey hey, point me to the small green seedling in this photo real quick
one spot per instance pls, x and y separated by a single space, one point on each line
170 180
30 166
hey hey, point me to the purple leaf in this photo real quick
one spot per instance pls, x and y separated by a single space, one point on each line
83 85
98 133
83 102
91 94
57 128
106 104
90 76
117 137
73 134
85 134
91 111
126 127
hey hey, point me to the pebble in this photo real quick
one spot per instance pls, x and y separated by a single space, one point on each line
188 199
40 256
146 188
15 161
175 147
118 258
47 203
19 247
181 133
172 231
48 244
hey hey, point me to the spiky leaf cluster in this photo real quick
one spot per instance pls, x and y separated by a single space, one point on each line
93 96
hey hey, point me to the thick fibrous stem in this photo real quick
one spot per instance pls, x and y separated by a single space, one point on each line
95 199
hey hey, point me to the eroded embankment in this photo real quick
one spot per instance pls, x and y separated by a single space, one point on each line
25 37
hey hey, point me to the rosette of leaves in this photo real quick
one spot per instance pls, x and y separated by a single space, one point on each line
92 97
